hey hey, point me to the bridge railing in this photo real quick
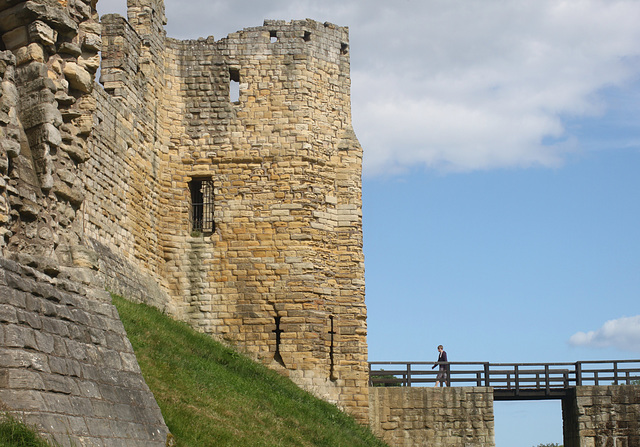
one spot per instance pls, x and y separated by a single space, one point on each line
509 377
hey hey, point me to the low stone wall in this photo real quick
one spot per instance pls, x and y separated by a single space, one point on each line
407 417
599 416
66 365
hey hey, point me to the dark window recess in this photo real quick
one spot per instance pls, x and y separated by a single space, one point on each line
273 34
307 36
234 85
344 48
202 205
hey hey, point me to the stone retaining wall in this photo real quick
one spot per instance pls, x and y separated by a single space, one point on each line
66 365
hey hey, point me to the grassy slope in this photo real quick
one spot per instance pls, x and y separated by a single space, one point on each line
14 433
212 396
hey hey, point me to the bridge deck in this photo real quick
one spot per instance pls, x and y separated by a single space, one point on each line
510 381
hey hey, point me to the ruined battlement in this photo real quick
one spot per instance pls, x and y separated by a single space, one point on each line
219 180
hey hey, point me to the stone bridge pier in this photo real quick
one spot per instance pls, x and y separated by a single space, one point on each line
602 416
593 416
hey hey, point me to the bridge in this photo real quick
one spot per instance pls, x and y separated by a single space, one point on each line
600 401
510 381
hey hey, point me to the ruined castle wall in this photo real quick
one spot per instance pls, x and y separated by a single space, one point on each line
66 365
281 276
124 237
98 177
283 269
123 207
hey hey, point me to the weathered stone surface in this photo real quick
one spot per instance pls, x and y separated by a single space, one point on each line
602 416
42 113
61 344
46 370
78 77
71 193
48 11
438 417
285 167
41 32
16 38
30 53
92 42
70 48
278 270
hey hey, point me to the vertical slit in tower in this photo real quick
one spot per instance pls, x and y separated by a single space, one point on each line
234 85
332 332
277 356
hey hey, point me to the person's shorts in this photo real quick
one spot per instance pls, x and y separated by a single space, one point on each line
442 375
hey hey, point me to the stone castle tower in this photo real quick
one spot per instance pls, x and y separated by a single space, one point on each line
223 184
219 180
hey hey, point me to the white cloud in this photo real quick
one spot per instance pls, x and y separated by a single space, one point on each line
484 84
623 333
461 84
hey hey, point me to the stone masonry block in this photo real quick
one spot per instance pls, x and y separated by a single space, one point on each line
16 38
22 400
41 32
30 53
8 314
166 119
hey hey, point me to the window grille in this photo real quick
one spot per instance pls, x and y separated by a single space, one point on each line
202 205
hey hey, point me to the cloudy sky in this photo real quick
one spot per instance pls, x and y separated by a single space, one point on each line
500 193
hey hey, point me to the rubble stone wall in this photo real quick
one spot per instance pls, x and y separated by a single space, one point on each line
66 366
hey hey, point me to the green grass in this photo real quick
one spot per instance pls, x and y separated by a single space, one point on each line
14 433
212 396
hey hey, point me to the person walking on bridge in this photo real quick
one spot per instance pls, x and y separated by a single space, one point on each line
442 366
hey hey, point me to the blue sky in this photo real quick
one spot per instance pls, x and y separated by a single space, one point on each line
501 176
504 265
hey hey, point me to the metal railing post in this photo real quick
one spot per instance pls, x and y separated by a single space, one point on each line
409 374
578 373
